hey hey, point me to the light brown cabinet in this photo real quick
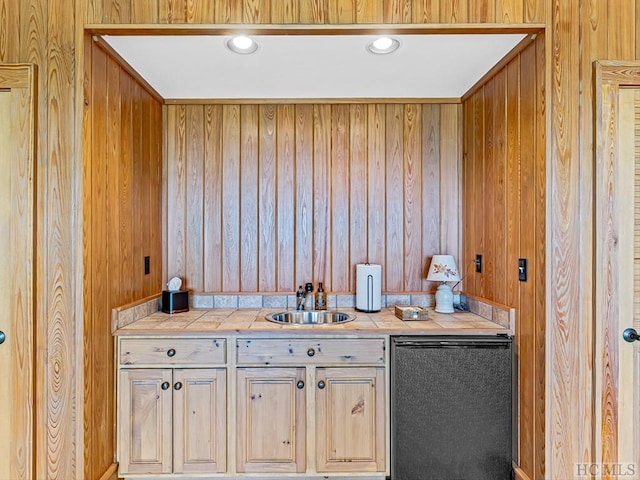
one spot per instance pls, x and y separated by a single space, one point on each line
172 419
344 401
271 420
350 419
299 407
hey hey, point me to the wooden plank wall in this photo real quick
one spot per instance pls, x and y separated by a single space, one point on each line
504 207
263 198
122 218
48 33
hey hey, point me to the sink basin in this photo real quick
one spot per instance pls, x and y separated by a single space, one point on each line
313 317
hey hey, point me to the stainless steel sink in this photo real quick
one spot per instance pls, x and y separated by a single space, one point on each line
313 317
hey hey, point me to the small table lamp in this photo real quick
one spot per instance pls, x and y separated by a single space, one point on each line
443 269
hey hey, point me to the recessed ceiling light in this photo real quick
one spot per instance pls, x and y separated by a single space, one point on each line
242 44
383 45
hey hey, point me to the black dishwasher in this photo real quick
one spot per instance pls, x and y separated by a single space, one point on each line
451 407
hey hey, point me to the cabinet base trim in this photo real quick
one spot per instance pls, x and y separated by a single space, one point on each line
111 473
520 475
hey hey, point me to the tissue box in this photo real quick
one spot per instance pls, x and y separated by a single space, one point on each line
411 313
175 301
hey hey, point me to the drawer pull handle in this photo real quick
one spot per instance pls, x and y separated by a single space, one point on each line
165 385
177 386
171 352
300 384
321 384
311 352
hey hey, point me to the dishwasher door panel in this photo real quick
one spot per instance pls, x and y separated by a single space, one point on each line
451 402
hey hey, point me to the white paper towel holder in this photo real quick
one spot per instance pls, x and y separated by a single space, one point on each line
369 301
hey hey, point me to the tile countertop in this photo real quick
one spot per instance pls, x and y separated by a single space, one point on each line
221 321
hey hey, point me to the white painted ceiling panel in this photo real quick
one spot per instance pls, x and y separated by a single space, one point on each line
312 66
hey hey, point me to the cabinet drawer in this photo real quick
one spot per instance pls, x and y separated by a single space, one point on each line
172 351
311 351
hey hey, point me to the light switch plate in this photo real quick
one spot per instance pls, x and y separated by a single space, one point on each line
522 269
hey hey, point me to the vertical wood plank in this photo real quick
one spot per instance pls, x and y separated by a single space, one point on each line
339 217
144 11
622 19
431 191
267 212
213 157
425 11
358 190
313 11
248 195
147 203
231 198
59 231
200 12
535 11
540 241
482 11
569 340
453 11
285 197
304 190
376 185
117 11
172 11
397 11
176 191
125 183
136 188
478 190
256 11
468 182
194 174
340 11
509 11
99 248
9 31
228 11
394 260
369 11
450 180
285 11
412 136
489 272
499 188
321 258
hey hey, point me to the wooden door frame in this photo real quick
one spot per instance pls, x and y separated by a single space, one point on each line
609 77
23 314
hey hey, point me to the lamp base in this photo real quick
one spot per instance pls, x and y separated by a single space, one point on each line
444 299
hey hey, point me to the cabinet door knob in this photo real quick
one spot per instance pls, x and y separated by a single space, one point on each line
321 384
300 384
165 385
171 352
311 352
177 386
2 337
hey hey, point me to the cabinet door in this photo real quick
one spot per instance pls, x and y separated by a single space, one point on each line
145 421
350 419
271 413
199 420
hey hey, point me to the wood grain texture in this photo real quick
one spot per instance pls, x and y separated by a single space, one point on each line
504 169
298 166
120 213
566 116
17 223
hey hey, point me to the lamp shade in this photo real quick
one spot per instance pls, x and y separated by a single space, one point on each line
443 268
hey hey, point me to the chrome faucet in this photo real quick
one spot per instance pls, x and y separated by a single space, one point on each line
304 298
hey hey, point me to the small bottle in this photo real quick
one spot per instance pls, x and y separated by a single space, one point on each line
321 298
309 302
300 299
